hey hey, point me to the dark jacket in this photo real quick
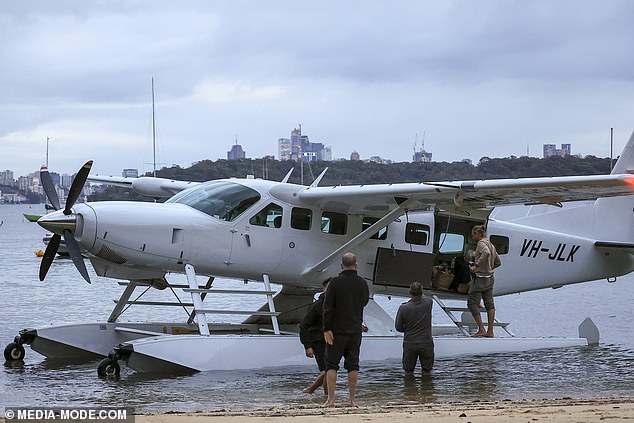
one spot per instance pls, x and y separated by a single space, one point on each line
344 301
414 320
311 329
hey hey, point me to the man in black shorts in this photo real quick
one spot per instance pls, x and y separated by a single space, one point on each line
414 320
311 335
344 301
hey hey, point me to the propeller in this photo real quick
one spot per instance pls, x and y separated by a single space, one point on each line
49 188
63 224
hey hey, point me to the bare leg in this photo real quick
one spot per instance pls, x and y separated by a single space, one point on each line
478 320
316 384
491 317
353 377
331 381
473 303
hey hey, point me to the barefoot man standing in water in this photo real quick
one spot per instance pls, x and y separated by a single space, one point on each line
344 301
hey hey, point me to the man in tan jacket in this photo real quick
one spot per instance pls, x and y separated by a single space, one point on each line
486 260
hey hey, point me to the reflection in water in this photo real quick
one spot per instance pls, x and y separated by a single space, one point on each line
419 388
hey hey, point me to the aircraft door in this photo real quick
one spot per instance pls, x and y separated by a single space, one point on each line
257 240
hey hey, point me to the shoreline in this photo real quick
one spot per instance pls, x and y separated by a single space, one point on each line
553 410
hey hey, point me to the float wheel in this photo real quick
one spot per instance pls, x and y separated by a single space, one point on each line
14 352
108 368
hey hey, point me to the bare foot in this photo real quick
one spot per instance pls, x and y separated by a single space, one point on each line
328 404
353 404
308 390
488 335
478 334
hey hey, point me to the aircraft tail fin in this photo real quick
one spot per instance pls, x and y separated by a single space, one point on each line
614 219
625 163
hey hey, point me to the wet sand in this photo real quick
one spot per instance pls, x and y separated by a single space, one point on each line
552 410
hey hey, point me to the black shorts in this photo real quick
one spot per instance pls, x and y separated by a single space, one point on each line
319 352
346 346
418 352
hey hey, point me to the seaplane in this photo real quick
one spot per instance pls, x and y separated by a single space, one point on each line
549 232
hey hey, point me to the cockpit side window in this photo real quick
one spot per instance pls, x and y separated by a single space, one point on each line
223 200
270 216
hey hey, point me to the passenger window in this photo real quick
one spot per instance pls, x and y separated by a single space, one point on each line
270 216
334 223
301 218
416 234
450 243
369 221
501 243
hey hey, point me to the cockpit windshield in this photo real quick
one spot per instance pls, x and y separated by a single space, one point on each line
223 200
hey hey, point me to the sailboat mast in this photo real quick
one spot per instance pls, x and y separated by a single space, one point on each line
153 133
47 138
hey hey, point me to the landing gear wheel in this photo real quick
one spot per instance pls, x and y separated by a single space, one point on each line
14 352
108 368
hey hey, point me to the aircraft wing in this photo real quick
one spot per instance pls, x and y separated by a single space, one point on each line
145 185
467 196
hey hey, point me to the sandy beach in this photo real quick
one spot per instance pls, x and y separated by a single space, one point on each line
552 410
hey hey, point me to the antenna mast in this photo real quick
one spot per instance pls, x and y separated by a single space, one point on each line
611 150
153 132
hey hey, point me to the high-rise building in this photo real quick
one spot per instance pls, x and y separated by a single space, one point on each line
284 148
299 147
421 156
566 149
6 178
236 152
552 150
67 180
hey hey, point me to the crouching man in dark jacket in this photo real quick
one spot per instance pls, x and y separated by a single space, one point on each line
311 335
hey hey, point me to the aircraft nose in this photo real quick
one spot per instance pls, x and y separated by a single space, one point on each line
57 222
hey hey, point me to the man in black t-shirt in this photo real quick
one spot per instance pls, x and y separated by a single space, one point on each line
344 301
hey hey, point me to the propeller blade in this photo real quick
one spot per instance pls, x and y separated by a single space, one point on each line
49 255
75 254
49 187
76 187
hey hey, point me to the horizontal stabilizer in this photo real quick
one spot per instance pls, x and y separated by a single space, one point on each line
621 246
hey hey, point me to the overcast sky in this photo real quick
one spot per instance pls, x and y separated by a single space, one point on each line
479 78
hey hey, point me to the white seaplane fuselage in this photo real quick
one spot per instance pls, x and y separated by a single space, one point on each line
136 240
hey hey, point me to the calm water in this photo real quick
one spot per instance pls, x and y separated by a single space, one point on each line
603 370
